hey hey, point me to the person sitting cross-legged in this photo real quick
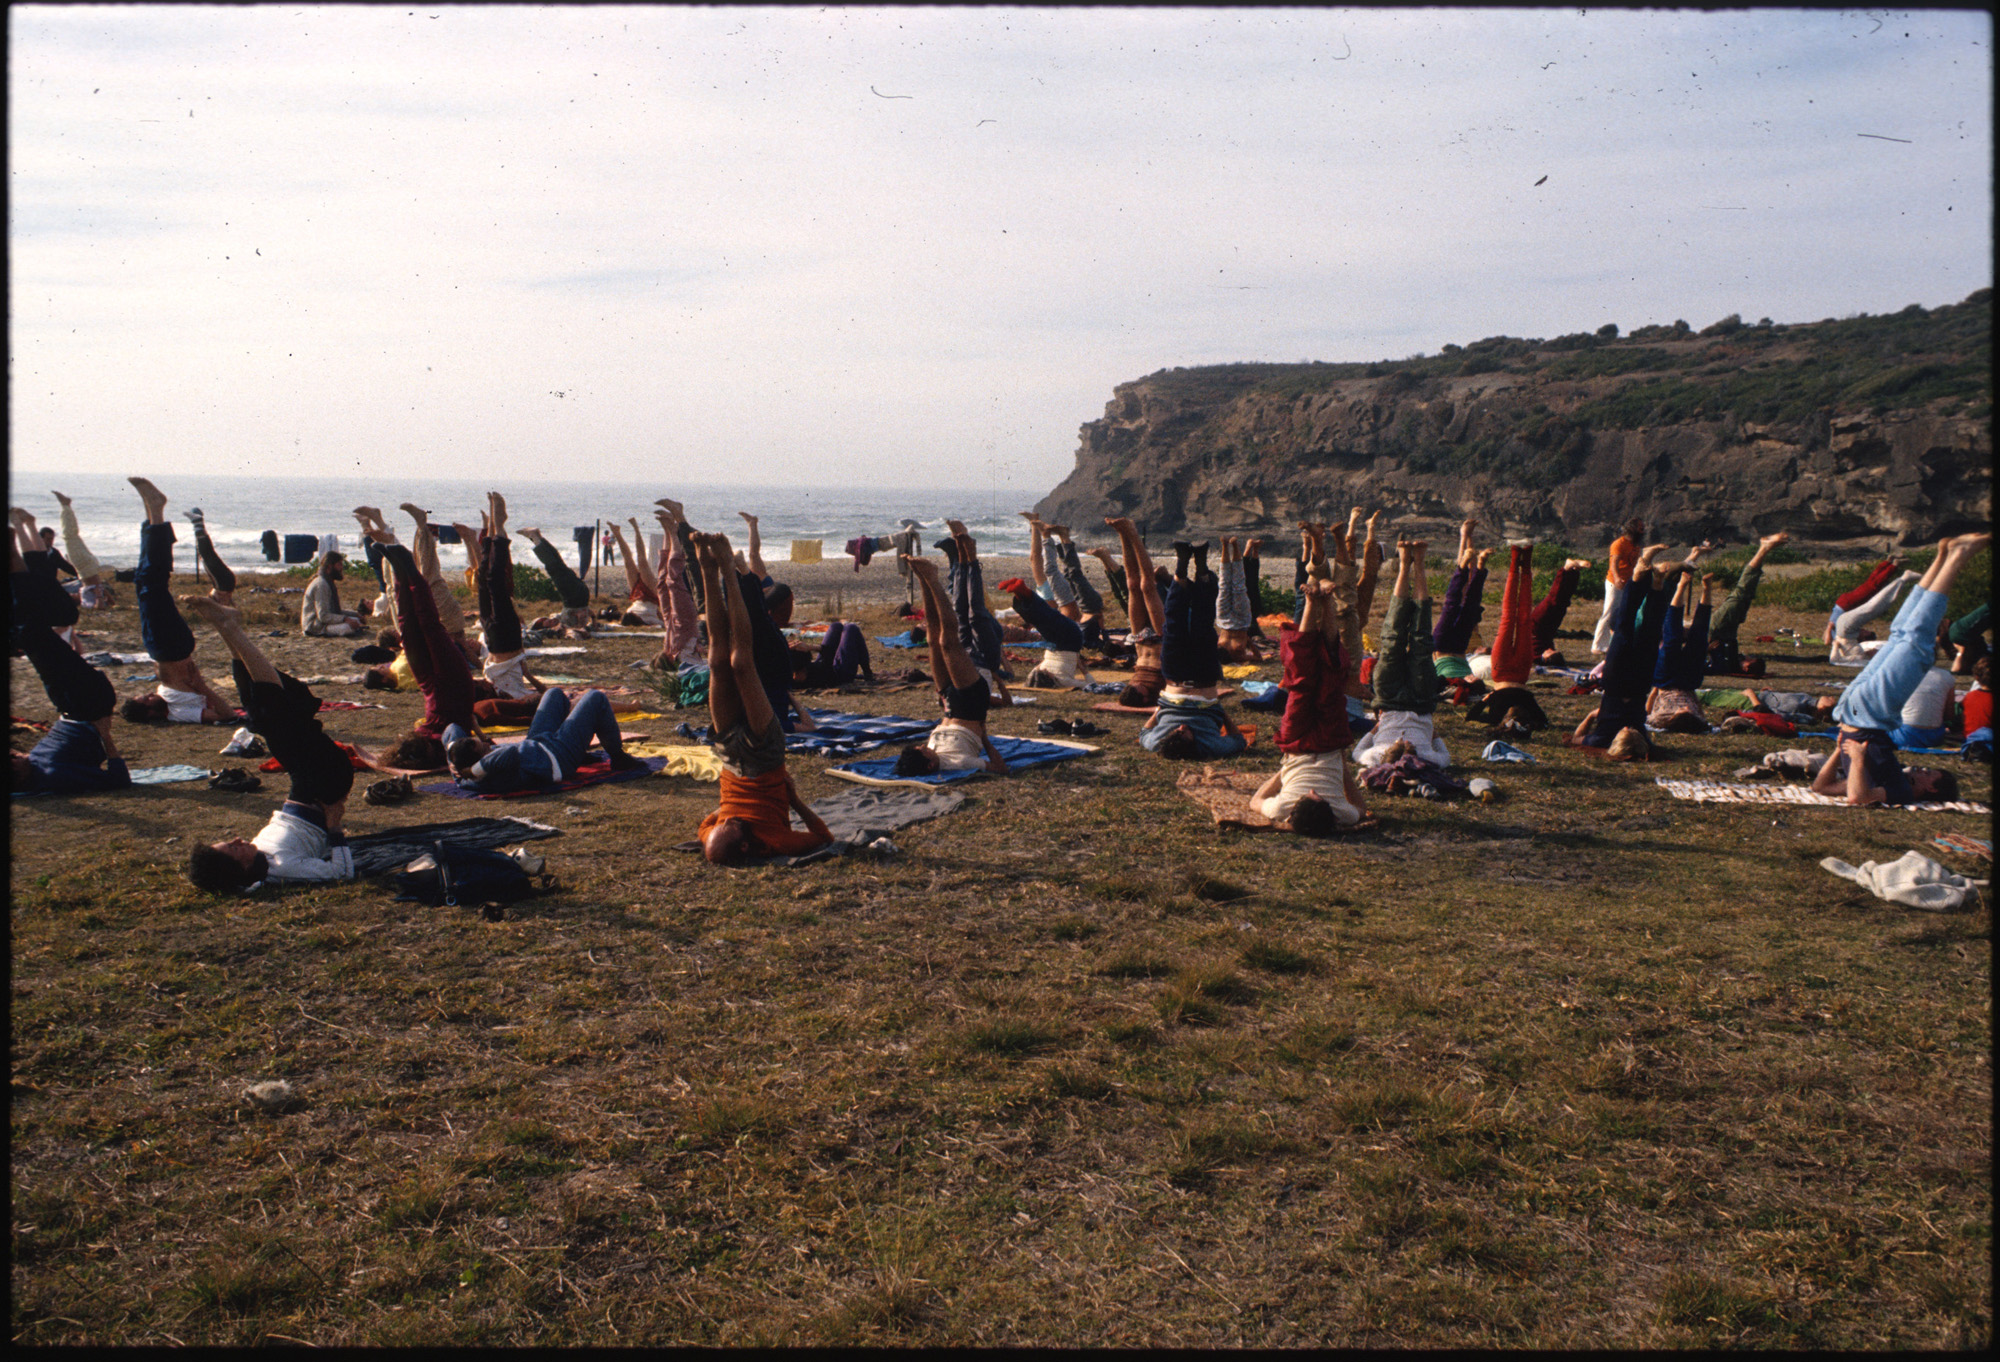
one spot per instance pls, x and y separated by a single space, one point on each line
754 814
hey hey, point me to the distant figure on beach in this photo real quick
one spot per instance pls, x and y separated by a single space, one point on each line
320 614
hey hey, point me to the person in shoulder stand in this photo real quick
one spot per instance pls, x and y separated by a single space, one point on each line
1313 790
79 754
183 695
960 741
303 840
754 814
1864 767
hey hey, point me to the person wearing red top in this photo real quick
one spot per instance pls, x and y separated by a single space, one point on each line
1313 789
1978 703
754 815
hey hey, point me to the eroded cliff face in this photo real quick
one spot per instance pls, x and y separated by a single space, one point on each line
1189 456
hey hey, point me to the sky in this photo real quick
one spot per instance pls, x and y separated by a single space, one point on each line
911 247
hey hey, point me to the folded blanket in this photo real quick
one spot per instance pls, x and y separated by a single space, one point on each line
1019 754
1227 794
590 773
698 763
558 650
378 853
1239 670
1720 792
168 775
841 733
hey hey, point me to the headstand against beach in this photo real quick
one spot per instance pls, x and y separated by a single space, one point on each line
303 840
758 798
78 754
1864 766
440 669
184 695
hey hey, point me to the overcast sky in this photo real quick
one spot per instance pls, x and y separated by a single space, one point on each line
913 247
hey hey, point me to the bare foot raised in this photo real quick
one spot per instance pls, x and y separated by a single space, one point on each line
212 610
153 497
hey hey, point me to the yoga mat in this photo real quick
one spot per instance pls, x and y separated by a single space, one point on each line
591 773
1227 794
168 775
1722 792
1019 753
841 733
379 853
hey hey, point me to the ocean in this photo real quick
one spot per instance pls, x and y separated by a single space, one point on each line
239 509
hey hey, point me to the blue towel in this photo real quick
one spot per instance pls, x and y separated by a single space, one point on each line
1505 751
1019 753
840 734
902 640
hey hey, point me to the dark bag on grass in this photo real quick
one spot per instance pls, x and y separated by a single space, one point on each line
462 877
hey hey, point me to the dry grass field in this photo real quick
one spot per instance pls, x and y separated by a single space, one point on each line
1586 1066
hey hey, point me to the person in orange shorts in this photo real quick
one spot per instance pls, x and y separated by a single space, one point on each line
758 797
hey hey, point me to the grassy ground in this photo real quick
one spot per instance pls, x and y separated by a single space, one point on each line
1588 1066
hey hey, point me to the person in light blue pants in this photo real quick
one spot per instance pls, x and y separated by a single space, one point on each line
1864 767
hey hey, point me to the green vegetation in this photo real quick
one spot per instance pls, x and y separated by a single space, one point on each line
1730 371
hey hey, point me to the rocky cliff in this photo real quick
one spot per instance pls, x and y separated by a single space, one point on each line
1854 433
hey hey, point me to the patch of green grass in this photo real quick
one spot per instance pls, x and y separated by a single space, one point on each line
1010 1039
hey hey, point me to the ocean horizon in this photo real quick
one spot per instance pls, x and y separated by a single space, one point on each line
238 510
